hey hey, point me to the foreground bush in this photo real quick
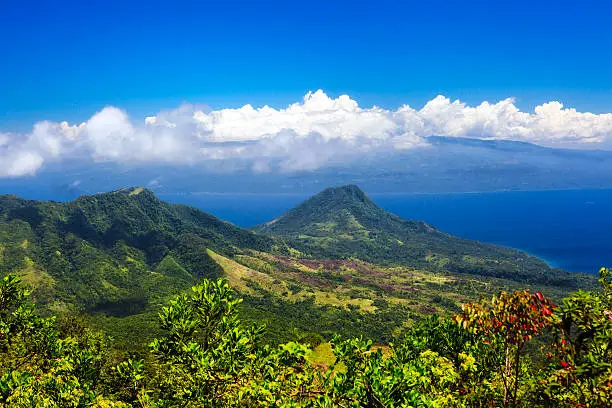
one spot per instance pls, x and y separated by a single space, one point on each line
516 350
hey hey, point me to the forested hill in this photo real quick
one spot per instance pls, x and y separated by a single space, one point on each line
134 215
114 251
344 222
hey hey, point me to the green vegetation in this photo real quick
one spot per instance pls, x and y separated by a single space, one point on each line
118 255
339 265
115 253
205 356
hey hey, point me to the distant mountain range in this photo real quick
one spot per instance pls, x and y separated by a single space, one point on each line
446 164
335 261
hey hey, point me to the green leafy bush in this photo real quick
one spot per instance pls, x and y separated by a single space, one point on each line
206 357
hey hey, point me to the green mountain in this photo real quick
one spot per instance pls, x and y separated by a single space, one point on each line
335 264
343 222
114 252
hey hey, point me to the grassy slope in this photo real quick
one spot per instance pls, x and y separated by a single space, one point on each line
317 295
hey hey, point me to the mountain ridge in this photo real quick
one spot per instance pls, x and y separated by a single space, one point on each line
80 245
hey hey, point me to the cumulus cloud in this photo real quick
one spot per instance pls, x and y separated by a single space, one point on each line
16 158
21 163
303 136
549 125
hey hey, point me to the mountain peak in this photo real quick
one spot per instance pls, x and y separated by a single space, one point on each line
353 188
131 194
335 209
333 200
343 195
133 191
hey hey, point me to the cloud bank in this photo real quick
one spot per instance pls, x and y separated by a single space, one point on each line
303 136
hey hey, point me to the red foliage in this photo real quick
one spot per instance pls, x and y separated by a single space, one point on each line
517 316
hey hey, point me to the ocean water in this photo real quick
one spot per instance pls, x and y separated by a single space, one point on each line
570 229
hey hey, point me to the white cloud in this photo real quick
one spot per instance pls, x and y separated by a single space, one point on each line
4 140
22 163
549 125
303 136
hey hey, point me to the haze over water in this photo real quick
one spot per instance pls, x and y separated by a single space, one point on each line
570 229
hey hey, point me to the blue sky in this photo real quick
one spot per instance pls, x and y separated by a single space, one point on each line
163 87
67 60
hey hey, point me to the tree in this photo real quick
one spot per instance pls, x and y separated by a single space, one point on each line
512 319
38 367
208 358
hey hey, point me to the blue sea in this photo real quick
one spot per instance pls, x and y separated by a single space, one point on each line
570 229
